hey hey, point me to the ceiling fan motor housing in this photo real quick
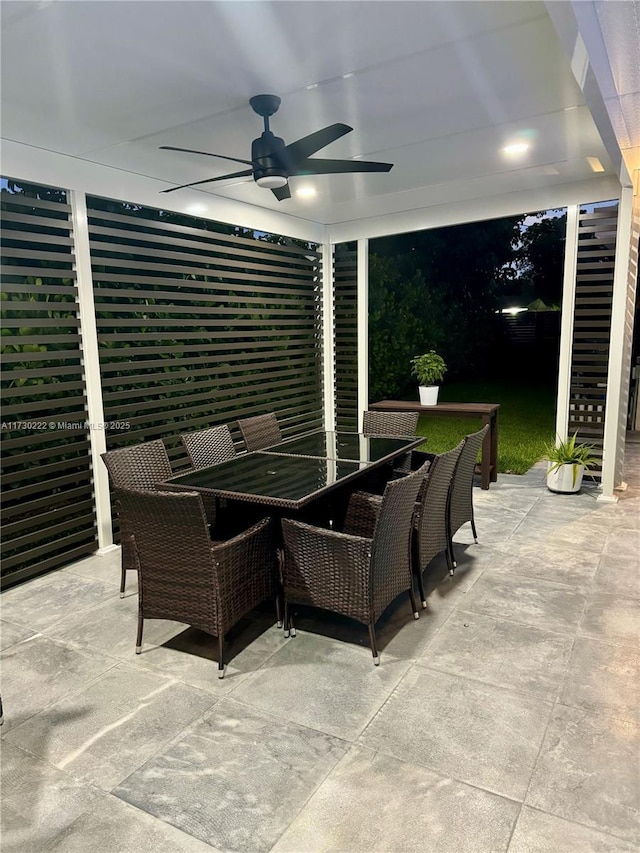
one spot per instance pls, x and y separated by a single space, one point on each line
269 170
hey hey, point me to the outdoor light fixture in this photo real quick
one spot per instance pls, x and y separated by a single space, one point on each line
596 165
272 182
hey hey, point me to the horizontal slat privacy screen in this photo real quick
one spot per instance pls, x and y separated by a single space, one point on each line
47 497
592 326
345 269
200 323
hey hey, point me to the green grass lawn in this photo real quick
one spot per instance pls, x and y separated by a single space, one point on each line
525 423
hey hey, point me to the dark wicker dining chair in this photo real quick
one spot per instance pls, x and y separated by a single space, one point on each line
260 431
209 446
353 575
431 520
462 487
185 577
140 467
394 423
390 423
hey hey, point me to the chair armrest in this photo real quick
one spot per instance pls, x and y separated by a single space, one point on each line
362 514
412 461
327 569
247 568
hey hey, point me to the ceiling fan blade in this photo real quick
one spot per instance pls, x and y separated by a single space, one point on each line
206 154
303 148
282 193
210 180
337 167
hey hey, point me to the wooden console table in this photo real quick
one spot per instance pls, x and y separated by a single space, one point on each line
487 412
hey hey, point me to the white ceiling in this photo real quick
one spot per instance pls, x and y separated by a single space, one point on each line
620 27
437 88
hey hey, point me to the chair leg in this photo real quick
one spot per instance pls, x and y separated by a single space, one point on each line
123 580
289 627
374 646
292 627
474 531
451 562
414 603
451 556
139 637
415 567
423 597
278 611
221 657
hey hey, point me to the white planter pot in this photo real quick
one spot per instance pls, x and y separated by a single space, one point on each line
428 394
566 479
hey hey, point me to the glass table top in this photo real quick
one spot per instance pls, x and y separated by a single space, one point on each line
286 480
293 473
344 445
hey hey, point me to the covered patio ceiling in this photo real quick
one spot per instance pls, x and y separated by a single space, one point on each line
91 90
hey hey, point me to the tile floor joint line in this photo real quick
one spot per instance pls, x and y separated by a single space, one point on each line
535 763
578 823
475 680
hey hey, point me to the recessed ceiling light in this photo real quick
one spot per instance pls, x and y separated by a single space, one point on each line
312 86
306 192
596 165
196 208
516 148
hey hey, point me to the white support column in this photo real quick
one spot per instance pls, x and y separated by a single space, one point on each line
363 328
566 327
91 364
614 417
328 337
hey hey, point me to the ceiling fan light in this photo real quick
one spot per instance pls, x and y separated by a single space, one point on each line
272 182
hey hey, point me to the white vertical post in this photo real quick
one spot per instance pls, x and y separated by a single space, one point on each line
566 327
91 364
363 329
328 338
614 417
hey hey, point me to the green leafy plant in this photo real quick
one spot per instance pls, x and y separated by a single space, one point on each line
568 452
428 368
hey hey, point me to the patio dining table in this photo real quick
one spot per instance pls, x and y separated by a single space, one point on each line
292 474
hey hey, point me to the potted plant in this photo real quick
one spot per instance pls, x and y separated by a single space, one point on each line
428 369
567 463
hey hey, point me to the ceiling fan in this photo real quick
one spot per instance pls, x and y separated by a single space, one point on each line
273 163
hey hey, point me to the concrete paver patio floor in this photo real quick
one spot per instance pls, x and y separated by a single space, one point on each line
505 718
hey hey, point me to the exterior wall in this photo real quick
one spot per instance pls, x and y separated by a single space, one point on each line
158 322
48 512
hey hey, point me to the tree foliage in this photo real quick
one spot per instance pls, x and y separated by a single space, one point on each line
540 260
439 290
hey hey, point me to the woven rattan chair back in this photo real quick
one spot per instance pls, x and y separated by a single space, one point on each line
391 545
260 431
185 577
462 488
390 423
140 467
209 446
432 523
